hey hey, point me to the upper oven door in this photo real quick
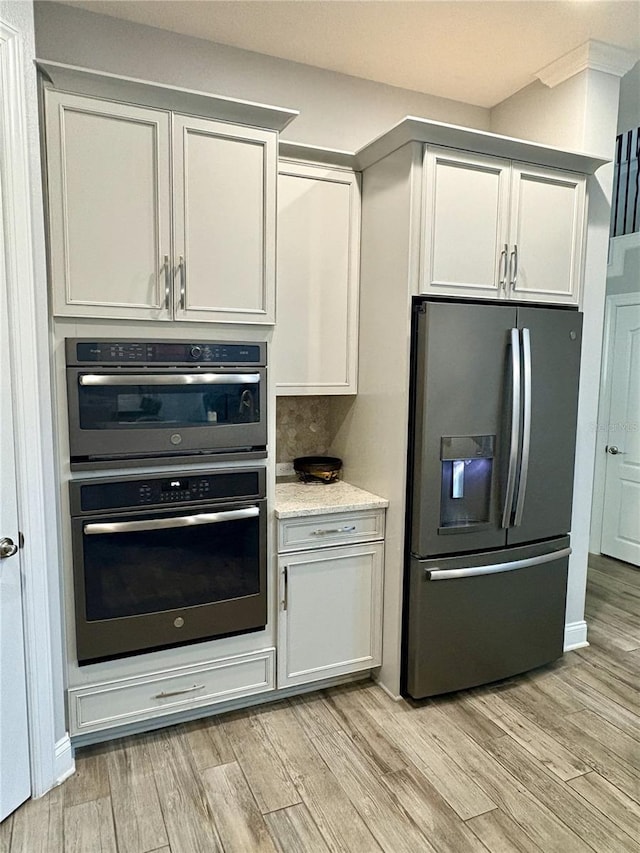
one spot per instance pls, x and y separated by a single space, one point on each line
126 413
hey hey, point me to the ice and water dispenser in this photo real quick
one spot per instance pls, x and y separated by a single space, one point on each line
467 470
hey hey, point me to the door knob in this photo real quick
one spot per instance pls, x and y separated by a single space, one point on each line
613 450
7 547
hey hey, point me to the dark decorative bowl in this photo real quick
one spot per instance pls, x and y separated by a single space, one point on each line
317 469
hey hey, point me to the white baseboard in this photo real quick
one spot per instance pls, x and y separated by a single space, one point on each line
387 691
65 765
575 636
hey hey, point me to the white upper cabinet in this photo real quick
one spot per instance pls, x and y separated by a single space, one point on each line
224 230
546 234
126 243
109 217
498 229
315 345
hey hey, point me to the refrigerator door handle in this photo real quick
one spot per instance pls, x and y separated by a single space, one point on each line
526 427
436 574
515 428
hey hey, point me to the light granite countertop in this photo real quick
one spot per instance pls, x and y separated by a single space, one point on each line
296 499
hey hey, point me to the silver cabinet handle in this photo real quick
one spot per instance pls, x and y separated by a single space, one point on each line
183 282
95 528
167 282
515 428
513 264
195 378
526 426
8 548
437 574
165 695
324 531
502 280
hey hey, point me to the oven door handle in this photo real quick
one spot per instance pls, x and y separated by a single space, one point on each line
95 528
194 378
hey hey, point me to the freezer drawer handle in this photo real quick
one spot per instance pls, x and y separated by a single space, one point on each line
473 571
171 379
164 523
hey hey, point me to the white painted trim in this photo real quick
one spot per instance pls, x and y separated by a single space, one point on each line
64 763
383 687
612 304
575 636
593 55
32 411
618 247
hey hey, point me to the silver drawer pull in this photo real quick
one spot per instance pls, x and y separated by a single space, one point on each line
165 695
324 531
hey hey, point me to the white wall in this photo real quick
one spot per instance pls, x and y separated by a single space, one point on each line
336 110
581 114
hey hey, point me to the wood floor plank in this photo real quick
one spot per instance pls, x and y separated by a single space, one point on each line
411 736
88 827
363 729
268 779
209 742
37 825
536 820
388 823
294 831
136 806
500 834
589 824
609 800
609 686
239 821
621 744
625 572
535 740
6 828
600 632
91 779
607 610
545 712
430 812
317 715
467 717
338 821
185 808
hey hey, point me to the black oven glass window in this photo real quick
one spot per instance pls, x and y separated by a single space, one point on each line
150 571
193 404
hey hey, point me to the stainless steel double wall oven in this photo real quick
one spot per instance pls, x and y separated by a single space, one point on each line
166 559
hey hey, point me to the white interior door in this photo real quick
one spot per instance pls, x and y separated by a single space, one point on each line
15 777
621 516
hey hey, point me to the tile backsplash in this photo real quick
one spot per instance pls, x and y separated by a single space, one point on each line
303 427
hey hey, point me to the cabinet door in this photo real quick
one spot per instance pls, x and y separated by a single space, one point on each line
224 221
315 345
330 615
466 199
109 217
547 227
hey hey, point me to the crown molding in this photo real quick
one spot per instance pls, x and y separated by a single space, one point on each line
594 55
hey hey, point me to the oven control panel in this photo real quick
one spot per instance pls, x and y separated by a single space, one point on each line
81 351
157 492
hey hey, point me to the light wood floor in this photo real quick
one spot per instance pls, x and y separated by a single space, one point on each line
546 762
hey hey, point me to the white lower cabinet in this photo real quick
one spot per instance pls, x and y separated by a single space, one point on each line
110 704
330 612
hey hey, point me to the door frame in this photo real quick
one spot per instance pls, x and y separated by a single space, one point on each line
613 303
23 244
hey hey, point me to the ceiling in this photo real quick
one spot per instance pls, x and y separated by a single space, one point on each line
477 51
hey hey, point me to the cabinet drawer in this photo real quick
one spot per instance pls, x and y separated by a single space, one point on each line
336 528
130 700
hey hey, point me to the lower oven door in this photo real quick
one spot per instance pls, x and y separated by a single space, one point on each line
148 580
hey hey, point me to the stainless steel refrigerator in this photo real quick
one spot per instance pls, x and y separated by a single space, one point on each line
494 406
